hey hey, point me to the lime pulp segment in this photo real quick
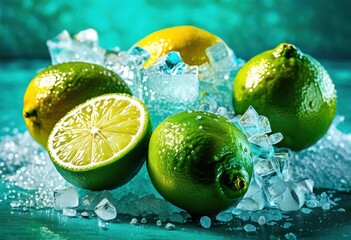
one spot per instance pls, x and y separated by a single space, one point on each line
98 131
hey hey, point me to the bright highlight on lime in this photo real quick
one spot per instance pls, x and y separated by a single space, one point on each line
102 143
200 162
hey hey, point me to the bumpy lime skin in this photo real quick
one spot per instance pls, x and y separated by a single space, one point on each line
200 162
292 89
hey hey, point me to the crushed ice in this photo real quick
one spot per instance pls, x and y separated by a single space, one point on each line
283 180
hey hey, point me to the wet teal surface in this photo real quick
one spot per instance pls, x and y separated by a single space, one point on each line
49 224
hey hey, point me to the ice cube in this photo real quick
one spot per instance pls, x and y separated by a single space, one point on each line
275 138
170 64
69 212
89 37
292 199
249 228
312 203
248 122
66 198
248 204
306 210
170 226
139 55
224 217
306 185
260 146
263 125
134 221
205 222
105 210
221 57
290 236
84 48
287 225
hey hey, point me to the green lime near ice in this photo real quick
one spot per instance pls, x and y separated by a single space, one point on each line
200 162
102 143
292 89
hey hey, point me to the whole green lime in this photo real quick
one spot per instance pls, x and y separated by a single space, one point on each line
292 89
200 162
57 89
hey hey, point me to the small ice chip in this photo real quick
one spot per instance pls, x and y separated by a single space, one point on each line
261 220
287 225
133 221
290 236
306 210
143 220
236 211
85 214
326 206
224 217
170 226
65 198
159 223
341 210
249 228
102 224
312 203
69 212
88 36
105 210
205 222
222 111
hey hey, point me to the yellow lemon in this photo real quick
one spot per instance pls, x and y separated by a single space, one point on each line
191 42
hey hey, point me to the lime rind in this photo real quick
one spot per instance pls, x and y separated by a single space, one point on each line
64 124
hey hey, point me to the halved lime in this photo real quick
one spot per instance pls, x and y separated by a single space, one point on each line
102 143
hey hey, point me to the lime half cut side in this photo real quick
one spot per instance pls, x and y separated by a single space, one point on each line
102 143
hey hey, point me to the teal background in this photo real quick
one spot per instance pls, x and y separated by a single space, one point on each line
320 28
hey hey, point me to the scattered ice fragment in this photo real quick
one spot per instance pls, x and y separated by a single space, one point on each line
306 210
312 203
341 210
326 206
261 220
85 214
143 220
170 226
287 225
133 221
290 236
69 212
15 204
105 210
159 223
224 217
236 211
205 222
249 228
66 198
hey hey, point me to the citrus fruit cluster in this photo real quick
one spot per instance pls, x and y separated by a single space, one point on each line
98 135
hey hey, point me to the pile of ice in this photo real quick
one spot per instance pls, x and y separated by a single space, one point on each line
169 85
282 181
